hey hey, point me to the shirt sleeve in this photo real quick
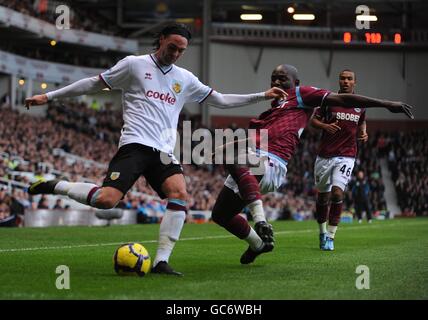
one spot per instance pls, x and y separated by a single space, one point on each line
197 91
218 99
117 77
318 113
311 97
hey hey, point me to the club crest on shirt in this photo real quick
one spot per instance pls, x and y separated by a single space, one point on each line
176 86
114 175
357 109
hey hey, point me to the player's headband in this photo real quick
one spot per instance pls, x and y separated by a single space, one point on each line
179 29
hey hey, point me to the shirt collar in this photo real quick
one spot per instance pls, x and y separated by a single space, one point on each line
164 69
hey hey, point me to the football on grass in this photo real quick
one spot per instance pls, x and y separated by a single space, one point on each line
132 259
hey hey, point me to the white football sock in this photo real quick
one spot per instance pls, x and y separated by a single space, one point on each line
169 233
77 190
257 211
254 240
323 227
331 231
63 187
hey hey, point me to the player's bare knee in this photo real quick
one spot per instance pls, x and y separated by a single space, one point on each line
105 203
107 199
178 194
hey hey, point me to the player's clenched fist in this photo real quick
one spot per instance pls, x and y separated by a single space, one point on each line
36 100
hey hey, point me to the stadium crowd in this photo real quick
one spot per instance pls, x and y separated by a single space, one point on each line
80 59
28 144
408 163
89 21
79 19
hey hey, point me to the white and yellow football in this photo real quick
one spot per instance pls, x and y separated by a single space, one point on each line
132 259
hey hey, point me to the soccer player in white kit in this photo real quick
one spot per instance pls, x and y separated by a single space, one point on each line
154 91
336 156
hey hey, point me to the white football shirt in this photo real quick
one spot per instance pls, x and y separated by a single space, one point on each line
152 97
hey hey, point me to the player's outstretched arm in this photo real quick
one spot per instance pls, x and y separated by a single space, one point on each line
217 99
349 100
36 100
78 88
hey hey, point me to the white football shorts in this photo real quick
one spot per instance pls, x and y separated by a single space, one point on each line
331 172
275 171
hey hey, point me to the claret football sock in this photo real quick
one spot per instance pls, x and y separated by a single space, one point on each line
334 218
247 183
322 212
335 211
236 225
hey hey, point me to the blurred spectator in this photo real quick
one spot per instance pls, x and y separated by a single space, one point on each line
95 106
360 197
6 219
58 205
11 210
43 203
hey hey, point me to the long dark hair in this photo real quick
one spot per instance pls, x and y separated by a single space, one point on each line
171 28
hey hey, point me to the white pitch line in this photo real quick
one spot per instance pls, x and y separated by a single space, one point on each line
191 239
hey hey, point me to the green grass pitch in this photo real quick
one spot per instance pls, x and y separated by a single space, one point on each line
395 251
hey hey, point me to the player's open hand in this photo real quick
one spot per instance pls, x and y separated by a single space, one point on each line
363 136
276 93
36 100
401 107
331 128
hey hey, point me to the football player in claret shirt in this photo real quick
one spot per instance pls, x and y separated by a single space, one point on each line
284 122
154 91
336 156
